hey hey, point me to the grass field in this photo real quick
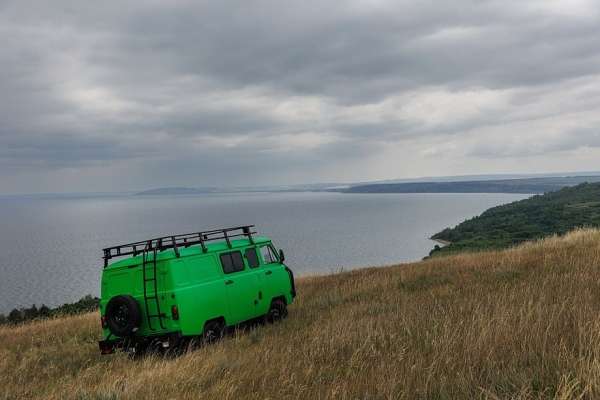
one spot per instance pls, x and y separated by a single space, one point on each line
521 323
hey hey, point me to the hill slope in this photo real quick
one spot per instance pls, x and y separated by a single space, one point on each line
532 218
523 185
174 191
519 323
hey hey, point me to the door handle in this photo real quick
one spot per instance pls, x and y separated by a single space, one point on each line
268 272
228 282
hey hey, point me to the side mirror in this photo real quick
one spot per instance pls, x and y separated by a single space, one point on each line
281 256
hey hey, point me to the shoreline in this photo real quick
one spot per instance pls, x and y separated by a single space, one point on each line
441 241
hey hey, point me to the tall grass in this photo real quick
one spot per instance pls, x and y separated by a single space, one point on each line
521 323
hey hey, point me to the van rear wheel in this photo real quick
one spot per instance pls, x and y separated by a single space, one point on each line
277 312
213 331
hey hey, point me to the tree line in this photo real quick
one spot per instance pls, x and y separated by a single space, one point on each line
19 315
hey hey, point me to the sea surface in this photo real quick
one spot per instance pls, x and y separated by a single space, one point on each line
50 246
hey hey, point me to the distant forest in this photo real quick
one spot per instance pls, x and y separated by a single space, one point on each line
542 215
18 315
525 185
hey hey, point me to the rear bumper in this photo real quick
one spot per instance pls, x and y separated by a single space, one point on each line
139 344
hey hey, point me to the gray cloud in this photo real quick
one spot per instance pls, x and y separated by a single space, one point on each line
570 141
290 92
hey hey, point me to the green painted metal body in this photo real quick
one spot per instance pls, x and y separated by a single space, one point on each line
196 284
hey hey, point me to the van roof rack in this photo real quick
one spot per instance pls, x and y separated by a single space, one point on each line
176 241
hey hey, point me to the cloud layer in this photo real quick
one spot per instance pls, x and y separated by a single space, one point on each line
268 92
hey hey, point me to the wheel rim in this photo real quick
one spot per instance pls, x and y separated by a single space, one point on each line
213 333
211 336
121 316
276 314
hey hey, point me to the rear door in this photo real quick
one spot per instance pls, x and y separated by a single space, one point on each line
241 285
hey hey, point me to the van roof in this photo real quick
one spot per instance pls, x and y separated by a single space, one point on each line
214 247
181 241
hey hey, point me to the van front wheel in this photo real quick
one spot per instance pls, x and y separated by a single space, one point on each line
213 331
277 312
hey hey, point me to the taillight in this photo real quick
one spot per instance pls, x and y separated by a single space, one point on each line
103 320
174 313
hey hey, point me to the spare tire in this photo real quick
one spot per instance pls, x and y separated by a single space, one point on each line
123 315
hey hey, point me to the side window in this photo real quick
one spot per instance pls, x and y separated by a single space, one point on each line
232 262
268 255
252 257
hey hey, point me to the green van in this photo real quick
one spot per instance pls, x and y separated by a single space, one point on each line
174 288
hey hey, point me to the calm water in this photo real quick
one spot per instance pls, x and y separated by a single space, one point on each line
50 249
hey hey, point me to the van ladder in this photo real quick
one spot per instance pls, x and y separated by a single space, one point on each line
153 278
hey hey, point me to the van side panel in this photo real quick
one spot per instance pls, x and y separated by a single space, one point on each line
199 292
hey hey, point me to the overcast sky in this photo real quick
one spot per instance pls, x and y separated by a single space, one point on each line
117 95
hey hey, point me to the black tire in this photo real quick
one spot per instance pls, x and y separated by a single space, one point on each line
123 315
213 331
277 312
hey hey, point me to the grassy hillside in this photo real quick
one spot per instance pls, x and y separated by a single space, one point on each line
519 323
556 212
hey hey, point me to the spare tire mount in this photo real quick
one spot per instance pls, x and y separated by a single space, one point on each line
123 315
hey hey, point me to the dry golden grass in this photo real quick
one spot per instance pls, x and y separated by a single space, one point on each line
522 323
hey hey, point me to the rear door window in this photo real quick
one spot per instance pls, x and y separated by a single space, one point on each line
251 257
267 255
232 262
